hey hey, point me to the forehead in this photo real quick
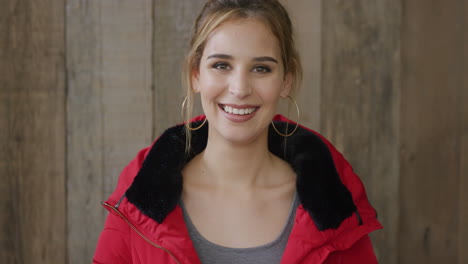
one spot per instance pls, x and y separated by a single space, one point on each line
246 37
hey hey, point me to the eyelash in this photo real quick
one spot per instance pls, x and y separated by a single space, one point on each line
219 65
258 69
263 69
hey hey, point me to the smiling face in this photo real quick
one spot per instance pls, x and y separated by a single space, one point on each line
241 78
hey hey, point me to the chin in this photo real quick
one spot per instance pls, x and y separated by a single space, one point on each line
240 134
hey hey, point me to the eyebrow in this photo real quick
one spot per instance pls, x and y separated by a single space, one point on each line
229 57
265 58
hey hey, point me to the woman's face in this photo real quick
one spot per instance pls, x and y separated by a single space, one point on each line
240 79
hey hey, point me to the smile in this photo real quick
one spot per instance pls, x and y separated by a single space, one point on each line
238 111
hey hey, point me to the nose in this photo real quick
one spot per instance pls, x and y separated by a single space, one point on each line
240 85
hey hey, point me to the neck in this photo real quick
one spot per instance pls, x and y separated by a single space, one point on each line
237 165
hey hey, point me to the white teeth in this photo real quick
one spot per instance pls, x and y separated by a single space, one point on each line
236 111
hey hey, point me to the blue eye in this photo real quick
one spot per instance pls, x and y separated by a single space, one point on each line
261 69
221 66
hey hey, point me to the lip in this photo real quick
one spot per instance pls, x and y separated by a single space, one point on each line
238 118
239 106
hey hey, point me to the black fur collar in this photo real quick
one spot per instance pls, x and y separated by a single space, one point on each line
157 188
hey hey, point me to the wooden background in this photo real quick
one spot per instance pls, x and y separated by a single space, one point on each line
85 84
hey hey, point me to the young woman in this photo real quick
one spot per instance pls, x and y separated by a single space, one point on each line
239 184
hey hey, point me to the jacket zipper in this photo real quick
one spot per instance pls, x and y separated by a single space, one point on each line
138 232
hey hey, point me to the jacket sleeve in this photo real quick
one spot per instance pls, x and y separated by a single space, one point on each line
114 242
361 252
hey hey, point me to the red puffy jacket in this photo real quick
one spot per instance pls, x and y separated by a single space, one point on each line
146 225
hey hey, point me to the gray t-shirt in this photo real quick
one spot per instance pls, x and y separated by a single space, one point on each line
271 253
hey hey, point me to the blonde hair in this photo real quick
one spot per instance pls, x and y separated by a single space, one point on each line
217 12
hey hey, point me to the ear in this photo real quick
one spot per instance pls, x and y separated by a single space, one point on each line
195 78
287 85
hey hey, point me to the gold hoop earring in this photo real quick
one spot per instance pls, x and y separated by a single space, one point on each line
186 124
297 123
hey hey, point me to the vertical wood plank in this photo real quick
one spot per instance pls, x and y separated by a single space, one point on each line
9 240
430 137
463 172
173 24
9 235
32 124
109 110
360 101
307 21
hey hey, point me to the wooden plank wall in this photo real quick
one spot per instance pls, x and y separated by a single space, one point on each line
406 139
306 16
173 21
109 107
433 176
360 101
32 138
463 185
85 84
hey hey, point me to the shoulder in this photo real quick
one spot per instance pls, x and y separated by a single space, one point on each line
170 143
128 174
329 188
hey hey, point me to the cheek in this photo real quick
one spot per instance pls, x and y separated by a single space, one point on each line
270 91
210 85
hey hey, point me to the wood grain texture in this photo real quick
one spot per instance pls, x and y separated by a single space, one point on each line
173 22
109 110
463 122
307 22
430 132
32 121
360 101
